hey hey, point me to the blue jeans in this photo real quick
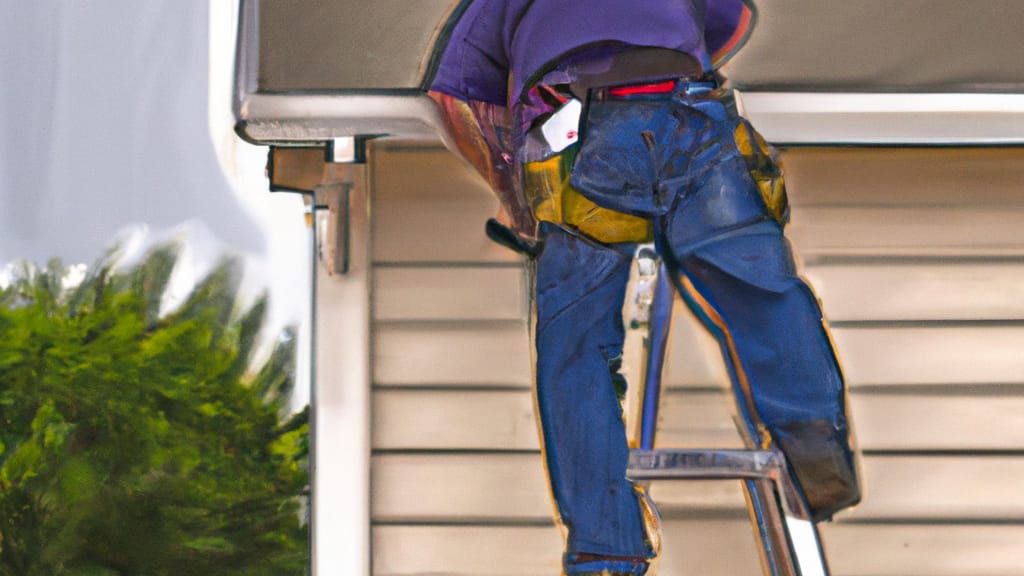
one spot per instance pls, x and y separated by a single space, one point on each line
674 159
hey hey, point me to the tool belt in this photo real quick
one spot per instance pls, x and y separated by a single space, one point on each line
553 199
546 180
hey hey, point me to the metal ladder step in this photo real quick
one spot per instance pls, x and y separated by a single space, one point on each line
788 538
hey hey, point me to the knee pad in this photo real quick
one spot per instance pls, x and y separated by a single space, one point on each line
820 456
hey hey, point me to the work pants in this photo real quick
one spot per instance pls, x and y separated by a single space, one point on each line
684 161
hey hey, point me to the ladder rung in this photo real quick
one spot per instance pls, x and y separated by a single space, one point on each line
703 464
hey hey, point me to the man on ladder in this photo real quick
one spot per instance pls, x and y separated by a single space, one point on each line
602 124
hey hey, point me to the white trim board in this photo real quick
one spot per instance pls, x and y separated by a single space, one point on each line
785 118
797 118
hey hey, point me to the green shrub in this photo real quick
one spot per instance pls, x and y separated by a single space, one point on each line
138 444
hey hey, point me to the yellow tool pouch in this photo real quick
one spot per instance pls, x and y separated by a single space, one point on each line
765 169
553 199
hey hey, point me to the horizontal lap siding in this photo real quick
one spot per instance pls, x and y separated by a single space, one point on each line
886 422
478 487
429 208
918 177
497 354
852 291
920 269
458 354
915 291
915 231
705 546
449 294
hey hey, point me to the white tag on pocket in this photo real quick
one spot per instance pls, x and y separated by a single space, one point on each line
562 128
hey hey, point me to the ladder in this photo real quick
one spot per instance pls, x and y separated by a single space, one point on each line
788 537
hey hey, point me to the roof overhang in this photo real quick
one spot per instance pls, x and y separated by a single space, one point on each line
870 72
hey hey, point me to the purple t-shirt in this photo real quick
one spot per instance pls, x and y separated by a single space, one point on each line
498 46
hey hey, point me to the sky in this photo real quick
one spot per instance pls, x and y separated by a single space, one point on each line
116 125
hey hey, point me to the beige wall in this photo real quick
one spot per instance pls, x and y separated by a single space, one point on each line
919 258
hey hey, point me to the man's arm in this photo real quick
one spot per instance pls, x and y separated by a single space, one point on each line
727 27
471 88
480 132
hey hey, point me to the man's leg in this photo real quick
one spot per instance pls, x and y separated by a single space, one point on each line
781 360
680 162
580 288
734 267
